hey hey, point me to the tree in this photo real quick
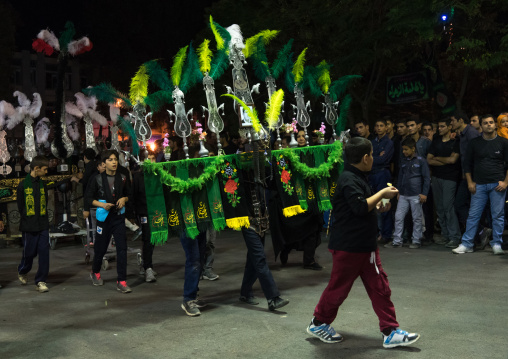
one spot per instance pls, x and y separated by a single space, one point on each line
7 47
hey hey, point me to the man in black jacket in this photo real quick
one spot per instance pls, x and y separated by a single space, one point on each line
354 249
109 191
34 225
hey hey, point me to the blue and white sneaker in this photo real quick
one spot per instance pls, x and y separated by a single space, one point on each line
324 332
398 338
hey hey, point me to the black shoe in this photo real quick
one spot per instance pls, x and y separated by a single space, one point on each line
249 300
284 257
276 303
313 266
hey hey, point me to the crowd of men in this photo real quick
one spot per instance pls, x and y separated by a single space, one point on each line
451 175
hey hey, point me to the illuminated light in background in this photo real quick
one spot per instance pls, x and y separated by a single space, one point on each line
444 17
152 146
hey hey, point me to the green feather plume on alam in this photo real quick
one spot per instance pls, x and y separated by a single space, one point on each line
282 59
222 36
324 79
250 112
139 85
127 128
104 92
340 124
158 75
220 63
290 79
309 81
298 67
338 87
191 72
158 99
273 109
66 36
267 35
178 62
260 61
205 56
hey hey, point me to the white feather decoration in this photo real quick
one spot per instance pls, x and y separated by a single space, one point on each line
81 102
72 127
72 109
113 112
22 99
42 130
236 36
34 110
16 118
76 46
94 115
50 38
6 110
92 102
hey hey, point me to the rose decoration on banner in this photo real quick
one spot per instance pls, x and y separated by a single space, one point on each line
285 174
230 174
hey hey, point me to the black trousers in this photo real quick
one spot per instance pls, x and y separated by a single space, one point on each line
256 267
147 245
114 225
35 244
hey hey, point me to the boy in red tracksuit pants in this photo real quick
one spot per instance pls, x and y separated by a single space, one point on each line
353 245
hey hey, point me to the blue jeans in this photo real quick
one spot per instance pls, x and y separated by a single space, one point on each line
194 250
403 206
377 182
256 267
485 192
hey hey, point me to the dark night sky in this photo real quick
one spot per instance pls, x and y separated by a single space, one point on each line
124 33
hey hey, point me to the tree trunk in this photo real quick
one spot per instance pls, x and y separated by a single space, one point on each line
463 87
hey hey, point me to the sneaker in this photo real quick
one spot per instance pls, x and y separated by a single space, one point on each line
22 278
392 245
496 248
96 279
123 287
149 276
276 303
200 303
249 300
313 266
324 332
190 308
210 275
440 240
452 244
415 245
398 338
136 235
41 287
485 237
462 249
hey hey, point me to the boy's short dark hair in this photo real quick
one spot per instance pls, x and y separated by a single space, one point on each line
39 161
388 118
382 120
107 154
400 120
364 122
462 115
486 116
89 153
409 141
426 123
415 119
356 149
446 120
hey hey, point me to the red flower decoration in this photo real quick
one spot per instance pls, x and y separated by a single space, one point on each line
231 186
40 45
285 176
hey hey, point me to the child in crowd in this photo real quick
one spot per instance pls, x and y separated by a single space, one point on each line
34 225
414 184
353 245
109 191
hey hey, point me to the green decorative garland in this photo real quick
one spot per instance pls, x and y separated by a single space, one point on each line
213 165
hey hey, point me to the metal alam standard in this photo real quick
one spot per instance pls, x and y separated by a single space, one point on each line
192 194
